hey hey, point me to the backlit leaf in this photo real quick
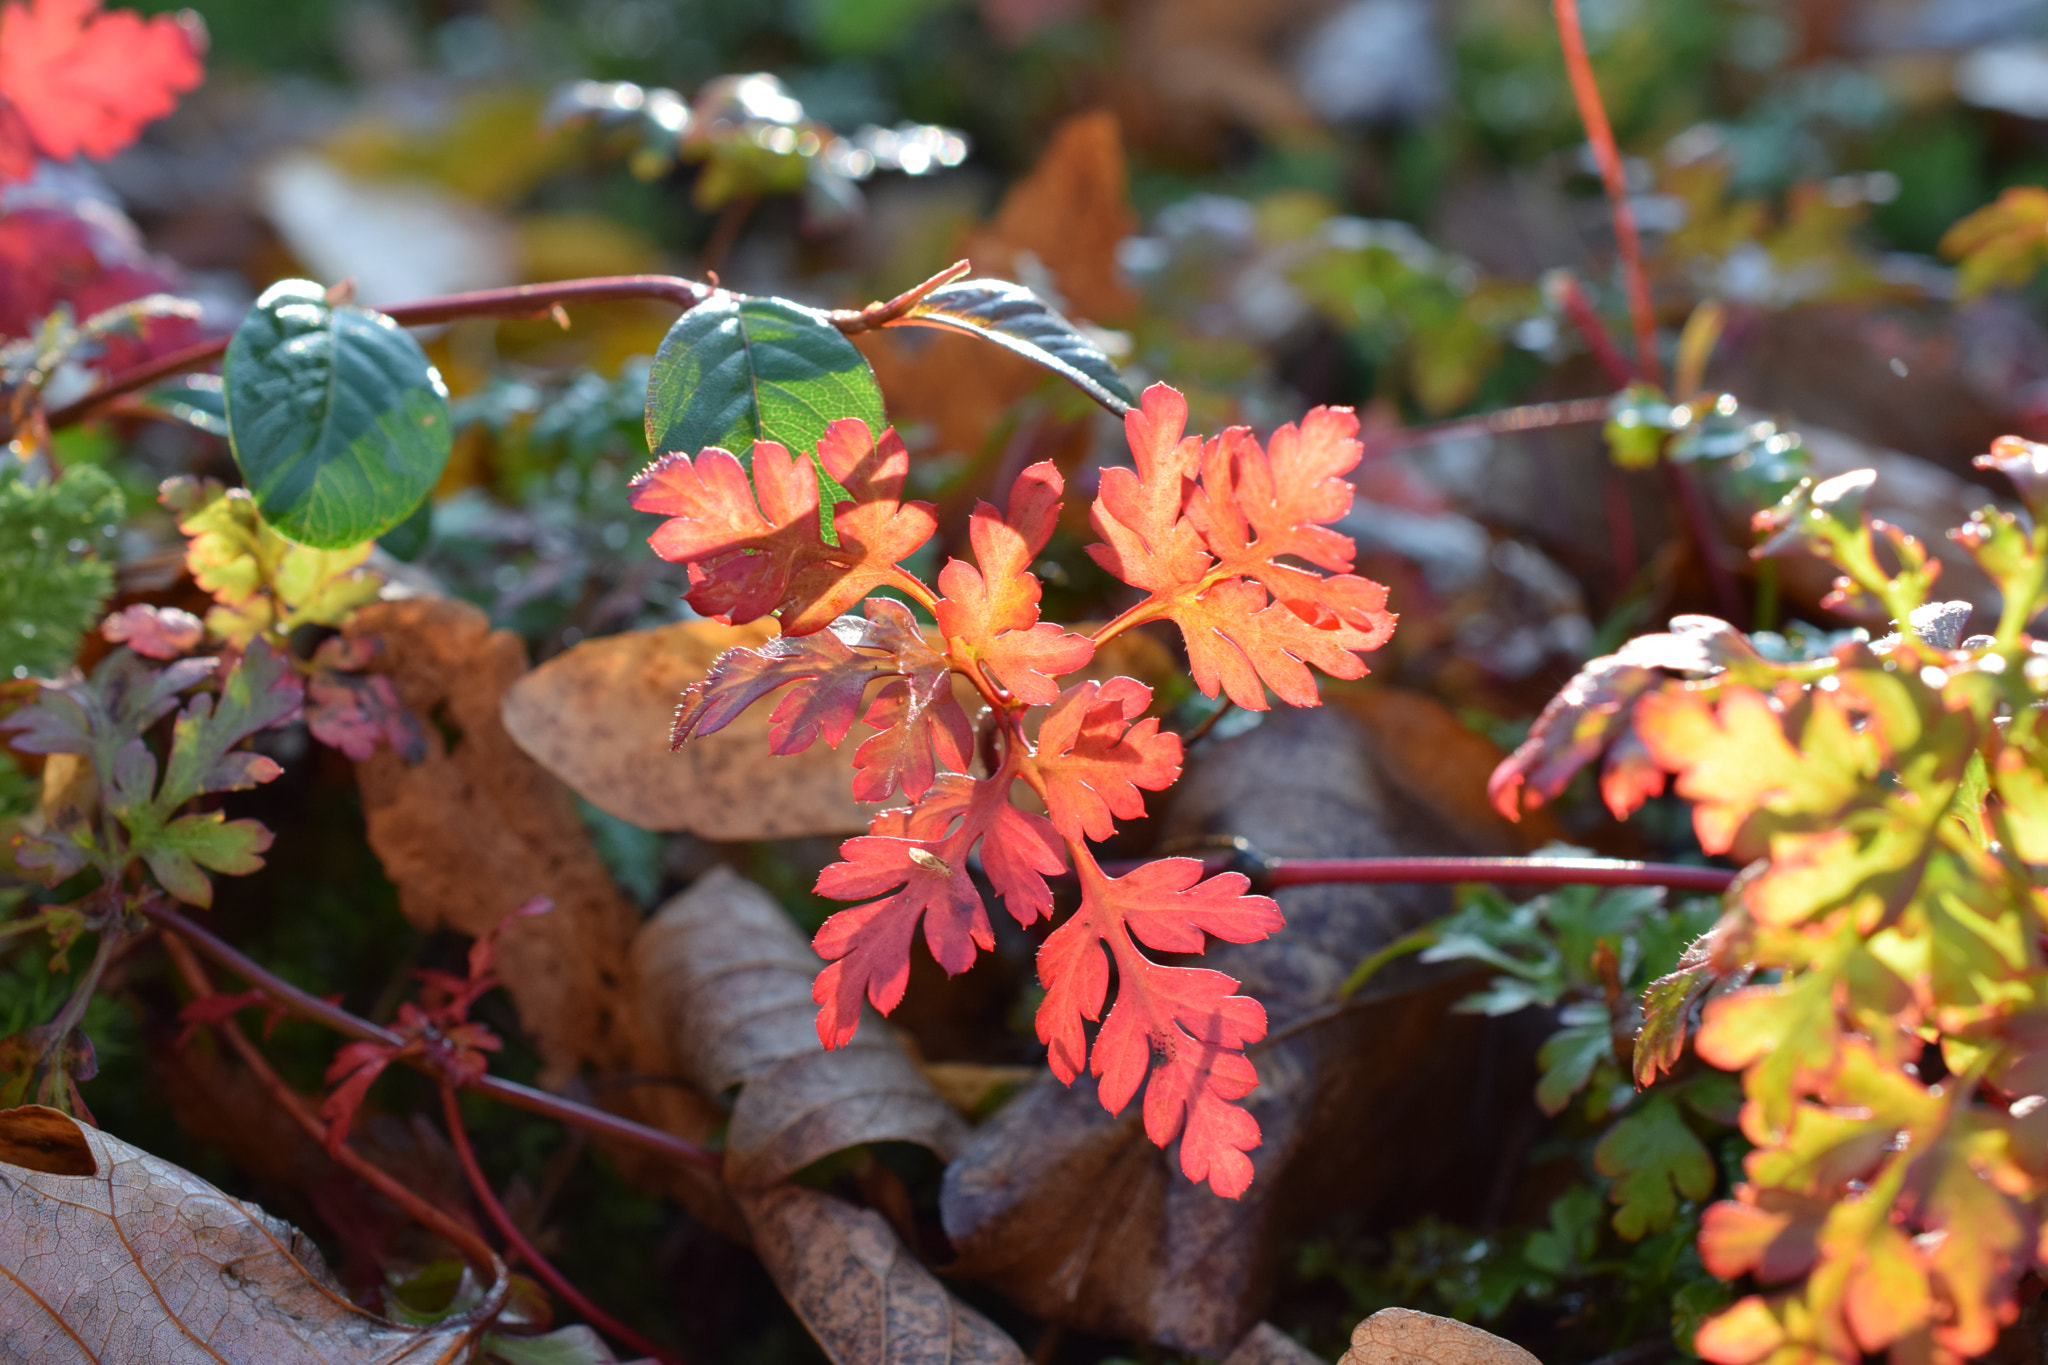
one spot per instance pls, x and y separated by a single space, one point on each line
78 82
338 422
733 371
1016 319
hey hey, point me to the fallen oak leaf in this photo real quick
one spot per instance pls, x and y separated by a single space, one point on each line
145 1261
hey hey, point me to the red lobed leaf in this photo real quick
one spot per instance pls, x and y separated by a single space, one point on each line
920 855
741 553
1092 759
1203 529
74 80
990 614
154 632
752 549
877 530
1189 1017
828 673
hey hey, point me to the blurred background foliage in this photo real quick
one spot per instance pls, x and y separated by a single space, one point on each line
1269 203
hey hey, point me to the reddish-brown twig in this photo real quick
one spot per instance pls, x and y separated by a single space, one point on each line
473 1248
1600 134
1280 872
1503 422
524 1250
519 301
309 1006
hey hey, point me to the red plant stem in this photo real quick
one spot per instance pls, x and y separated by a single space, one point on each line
1572 295
308 1006
1280 872
518 301
458 1136
1601 134
473 1248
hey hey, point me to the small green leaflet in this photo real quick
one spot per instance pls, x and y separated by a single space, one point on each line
1018 320
338 422
1654 1159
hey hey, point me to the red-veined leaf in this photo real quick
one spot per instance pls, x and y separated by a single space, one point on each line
1190 1017
1093 759
828 673
1203 530
990 614
920 855
741 543
877 530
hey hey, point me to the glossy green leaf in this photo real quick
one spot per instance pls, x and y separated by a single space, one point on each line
337 420
735 370
1019 321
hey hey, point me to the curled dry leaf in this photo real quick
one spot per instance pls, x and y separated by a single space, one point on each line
122 1256
476 828
598 717
1402 1336
727 980
1357 1101
1266 1344
860 1292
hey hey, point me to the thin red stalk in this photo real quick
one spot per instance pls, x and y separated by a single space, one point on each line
458 1136
473 1248
308 1006
1279 872
1600 133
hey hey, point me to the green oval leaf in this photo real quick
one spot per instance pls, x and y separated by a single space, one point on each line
1018 320
338 422
736 370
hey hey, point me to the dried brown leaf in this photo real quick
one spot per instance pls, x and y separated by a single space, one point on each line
1402 1336
142 1261
475 829
39 1139
598 717
1266 1344
861 1294
727 977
